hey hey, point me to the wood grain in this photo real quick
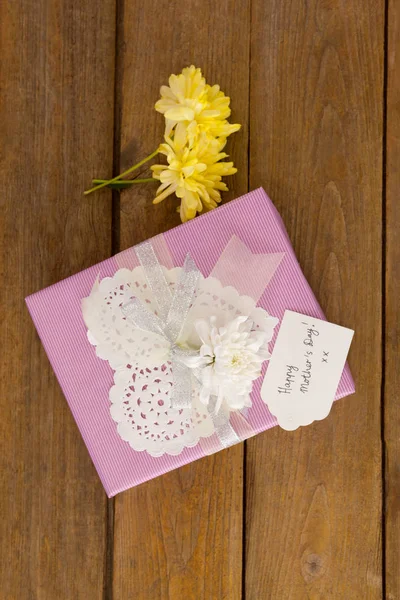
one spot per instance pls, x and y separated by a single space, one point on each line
308 75
179 536
57 123
313 516
392 305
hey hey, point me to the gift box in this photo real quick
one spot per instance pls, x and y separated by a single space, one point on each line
150 346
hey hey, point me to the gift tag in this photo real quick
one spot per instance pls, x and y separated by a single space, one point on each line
305 369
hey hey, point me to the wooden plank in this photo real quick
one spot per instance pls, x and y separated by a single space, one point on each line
179 536
392 312
57 122
313 508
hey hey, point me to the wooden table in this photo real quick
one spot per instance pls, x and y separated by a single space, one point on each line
316 86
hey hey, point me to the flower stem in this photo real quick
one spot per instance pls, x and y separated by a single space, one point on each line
123 183
118 177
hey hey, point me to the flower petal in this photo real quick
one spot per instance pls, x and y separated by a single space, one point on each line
180 113
170 190
203 329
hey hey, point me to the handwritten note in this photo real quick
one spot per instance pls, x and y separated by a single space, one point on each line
305 369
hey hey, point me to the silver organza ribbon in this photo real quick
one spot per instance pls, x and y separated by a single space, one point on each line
168 323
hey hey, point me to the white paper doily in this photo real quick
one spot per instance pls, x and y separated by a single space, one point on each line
143 375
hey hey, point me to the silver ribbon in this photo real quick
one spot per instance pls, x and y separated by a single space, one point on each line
225 432
172 311
168 323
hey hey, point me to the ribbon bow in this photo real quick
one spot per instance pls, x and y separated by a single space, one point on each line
168 323
173 310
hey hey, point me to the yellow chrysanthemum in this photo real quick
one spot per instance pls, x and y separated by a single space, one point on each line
196 127
194 173
189 98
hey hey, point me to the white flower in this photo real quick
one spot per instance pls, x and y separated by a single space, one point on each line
229 360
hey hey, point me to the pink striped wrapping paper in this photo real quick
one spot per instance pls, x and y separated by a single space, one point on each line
86 380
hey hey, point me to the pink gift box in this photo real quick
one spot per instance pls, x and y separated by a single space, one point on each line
86 380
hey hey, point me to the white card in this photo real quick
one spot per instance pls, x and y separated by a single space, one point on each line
305 369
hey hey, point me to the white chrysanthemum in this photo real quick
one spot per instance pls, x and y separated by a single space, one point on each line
229 360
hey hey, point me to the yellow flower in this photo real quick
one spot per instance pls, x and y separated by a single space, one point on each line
196 127
193 173
189 98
